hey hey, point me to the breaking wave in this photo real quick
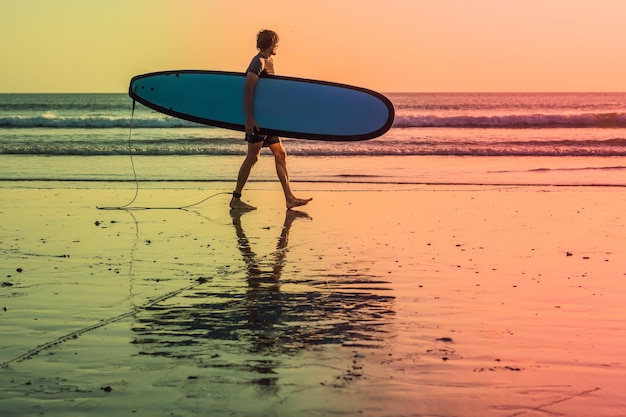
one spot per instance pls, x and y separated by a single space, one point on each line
404 147
590 120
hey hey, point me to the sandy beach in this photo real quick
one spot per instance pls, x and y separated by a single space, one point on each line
373 300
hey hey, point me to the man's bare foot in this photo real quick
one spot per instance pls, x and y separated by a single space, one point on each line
297 202
237 204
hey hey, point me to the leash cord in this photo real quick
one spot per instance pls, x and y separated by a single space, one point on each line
128 206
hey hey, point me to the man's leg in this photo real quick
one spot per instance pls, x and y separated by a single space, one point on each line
254 149
280 158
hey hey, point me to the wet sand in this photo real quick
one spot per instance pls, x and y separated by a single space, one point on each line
373 300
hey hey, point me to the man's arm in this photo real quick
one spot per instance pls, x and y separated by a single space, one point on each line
248 102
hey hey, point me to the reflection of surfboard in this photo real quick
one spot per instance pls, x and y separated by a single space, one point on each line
283 106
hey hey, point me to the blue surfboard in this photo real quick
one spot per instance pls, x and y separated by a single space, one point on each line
283 106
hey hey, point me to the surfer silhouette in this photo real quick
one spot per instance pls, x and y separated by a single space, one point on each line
261 65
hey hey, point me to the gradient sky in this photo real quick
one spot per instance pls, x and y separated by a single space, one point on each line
389 46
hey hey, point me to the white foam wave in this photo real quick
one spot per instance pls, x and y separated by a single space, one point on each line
50 119
234 146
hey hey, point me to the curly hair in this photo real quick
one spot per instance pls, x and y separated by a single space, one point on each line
266 38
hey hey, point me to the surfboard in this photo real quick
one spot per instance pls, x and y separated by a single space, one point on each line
283 106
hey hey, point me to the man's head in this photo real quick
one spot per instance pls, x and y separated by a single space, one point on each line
265 39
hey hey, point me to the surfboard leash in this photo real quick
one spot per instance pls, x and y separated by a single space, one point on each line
128 206
132 163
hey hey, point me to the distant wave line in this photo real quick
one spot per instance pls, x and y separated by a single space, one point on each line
587 120
99 122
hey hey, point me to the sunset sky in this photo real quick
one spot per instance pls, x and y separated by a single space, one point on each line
389 46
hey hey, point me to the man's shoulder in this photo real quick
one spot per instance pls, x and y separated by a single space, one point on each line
257 65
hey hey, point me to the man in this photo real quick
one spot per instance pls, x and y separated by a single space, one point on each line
262 64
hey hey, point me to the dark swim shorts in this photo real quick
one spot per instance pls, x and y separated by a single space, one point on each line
266 139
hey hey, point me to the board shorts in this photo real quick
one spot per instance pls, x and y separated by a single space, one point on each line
266 139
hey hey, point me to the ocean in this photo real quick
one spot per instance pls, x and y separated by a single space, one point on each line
437 138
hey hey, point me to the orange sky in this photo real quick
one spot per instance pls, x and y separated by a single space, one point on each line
401 45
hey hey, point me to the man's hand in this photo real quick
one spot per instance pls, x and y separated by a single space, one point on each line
251 126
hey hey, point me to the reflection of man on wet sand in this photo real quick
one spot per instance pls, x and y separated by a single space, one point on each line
251 331
264 302
278 257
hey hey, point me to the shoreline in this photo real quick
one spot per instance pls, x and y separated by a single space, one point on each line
335 170
458 300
